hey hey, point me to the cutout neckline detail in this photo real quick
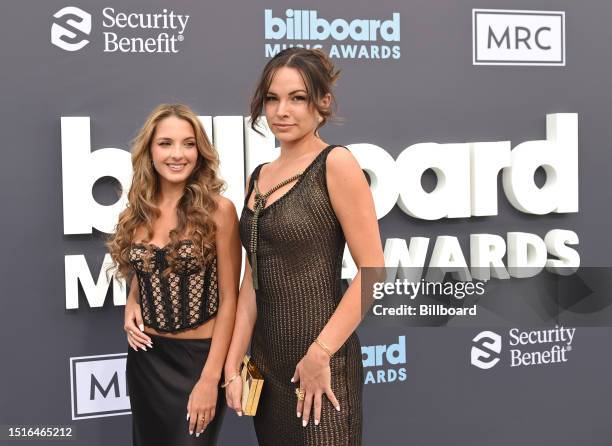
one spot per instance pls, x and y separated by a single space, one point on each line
297 183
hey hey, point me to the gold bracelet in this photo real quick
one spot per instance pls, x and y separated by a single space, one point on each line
324 347
227 383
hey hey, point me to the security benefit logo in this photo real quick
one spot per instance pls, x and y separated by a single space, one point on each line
158 31
486 349
506 37
99 386
385 363
341 38
525 348
71 28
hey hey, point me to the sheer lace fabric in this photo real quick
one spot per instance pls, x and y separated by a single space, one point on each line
185 298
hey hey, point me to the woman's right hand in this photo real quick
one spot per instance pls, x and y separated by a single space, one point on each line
134 327
233 395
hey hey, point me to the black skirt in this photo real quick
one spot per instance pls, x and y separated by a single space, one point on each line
160 381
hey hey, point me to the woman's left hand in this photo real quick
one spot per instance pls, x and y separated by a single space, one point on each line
202 404
314 376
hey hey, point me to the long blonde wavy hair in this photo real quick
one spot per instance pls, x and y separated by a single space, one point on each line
194 209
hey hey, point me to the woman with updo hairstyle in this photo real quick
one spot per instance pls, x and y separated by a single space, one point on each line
299 212
177 243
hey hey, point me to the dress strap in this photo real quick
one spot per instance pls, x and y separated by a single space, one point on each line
254 176
329 149
323 163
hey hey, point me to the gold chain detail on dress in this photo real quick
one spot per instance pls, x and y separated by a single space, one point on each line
258 206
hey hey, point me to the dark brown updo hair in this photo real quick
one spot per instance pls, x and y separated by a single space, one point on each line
317 71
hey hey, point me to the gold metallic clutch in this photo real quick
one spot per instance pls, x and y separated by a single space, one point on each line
252 382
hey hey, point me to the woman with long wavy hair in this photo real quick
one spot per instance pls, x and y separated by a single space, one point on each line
177 243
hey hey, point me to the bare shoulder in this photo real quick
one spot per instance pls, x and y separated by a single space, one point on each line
225 214
342 163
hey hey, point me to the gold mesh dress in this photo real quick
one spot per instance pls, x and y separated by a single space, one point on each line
299 246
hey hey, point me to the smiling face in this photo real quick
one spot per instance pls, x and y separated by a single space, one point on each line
290 114
174 150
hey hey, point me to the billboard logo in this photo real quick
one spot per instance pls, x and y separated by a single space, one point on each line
98 386
70 29
508 37
388 361
305 25
341 38
485 352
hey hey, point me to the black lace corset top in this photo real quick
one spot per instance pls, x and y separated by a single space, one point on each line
185 298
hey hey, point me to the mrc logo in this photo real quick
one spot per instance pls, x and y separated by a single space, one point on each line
70 28
98 386
513 37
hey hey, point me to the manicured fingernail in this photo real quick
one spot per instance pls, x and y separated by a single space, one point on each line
338 408
239 414
141 326
316 422
144 348
198 434
304 423
187 416
292 380
299 414
190 432
150 345
135 349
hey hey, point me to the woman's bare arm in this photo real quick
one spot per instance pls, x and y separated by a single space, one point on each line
354 206
229 256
